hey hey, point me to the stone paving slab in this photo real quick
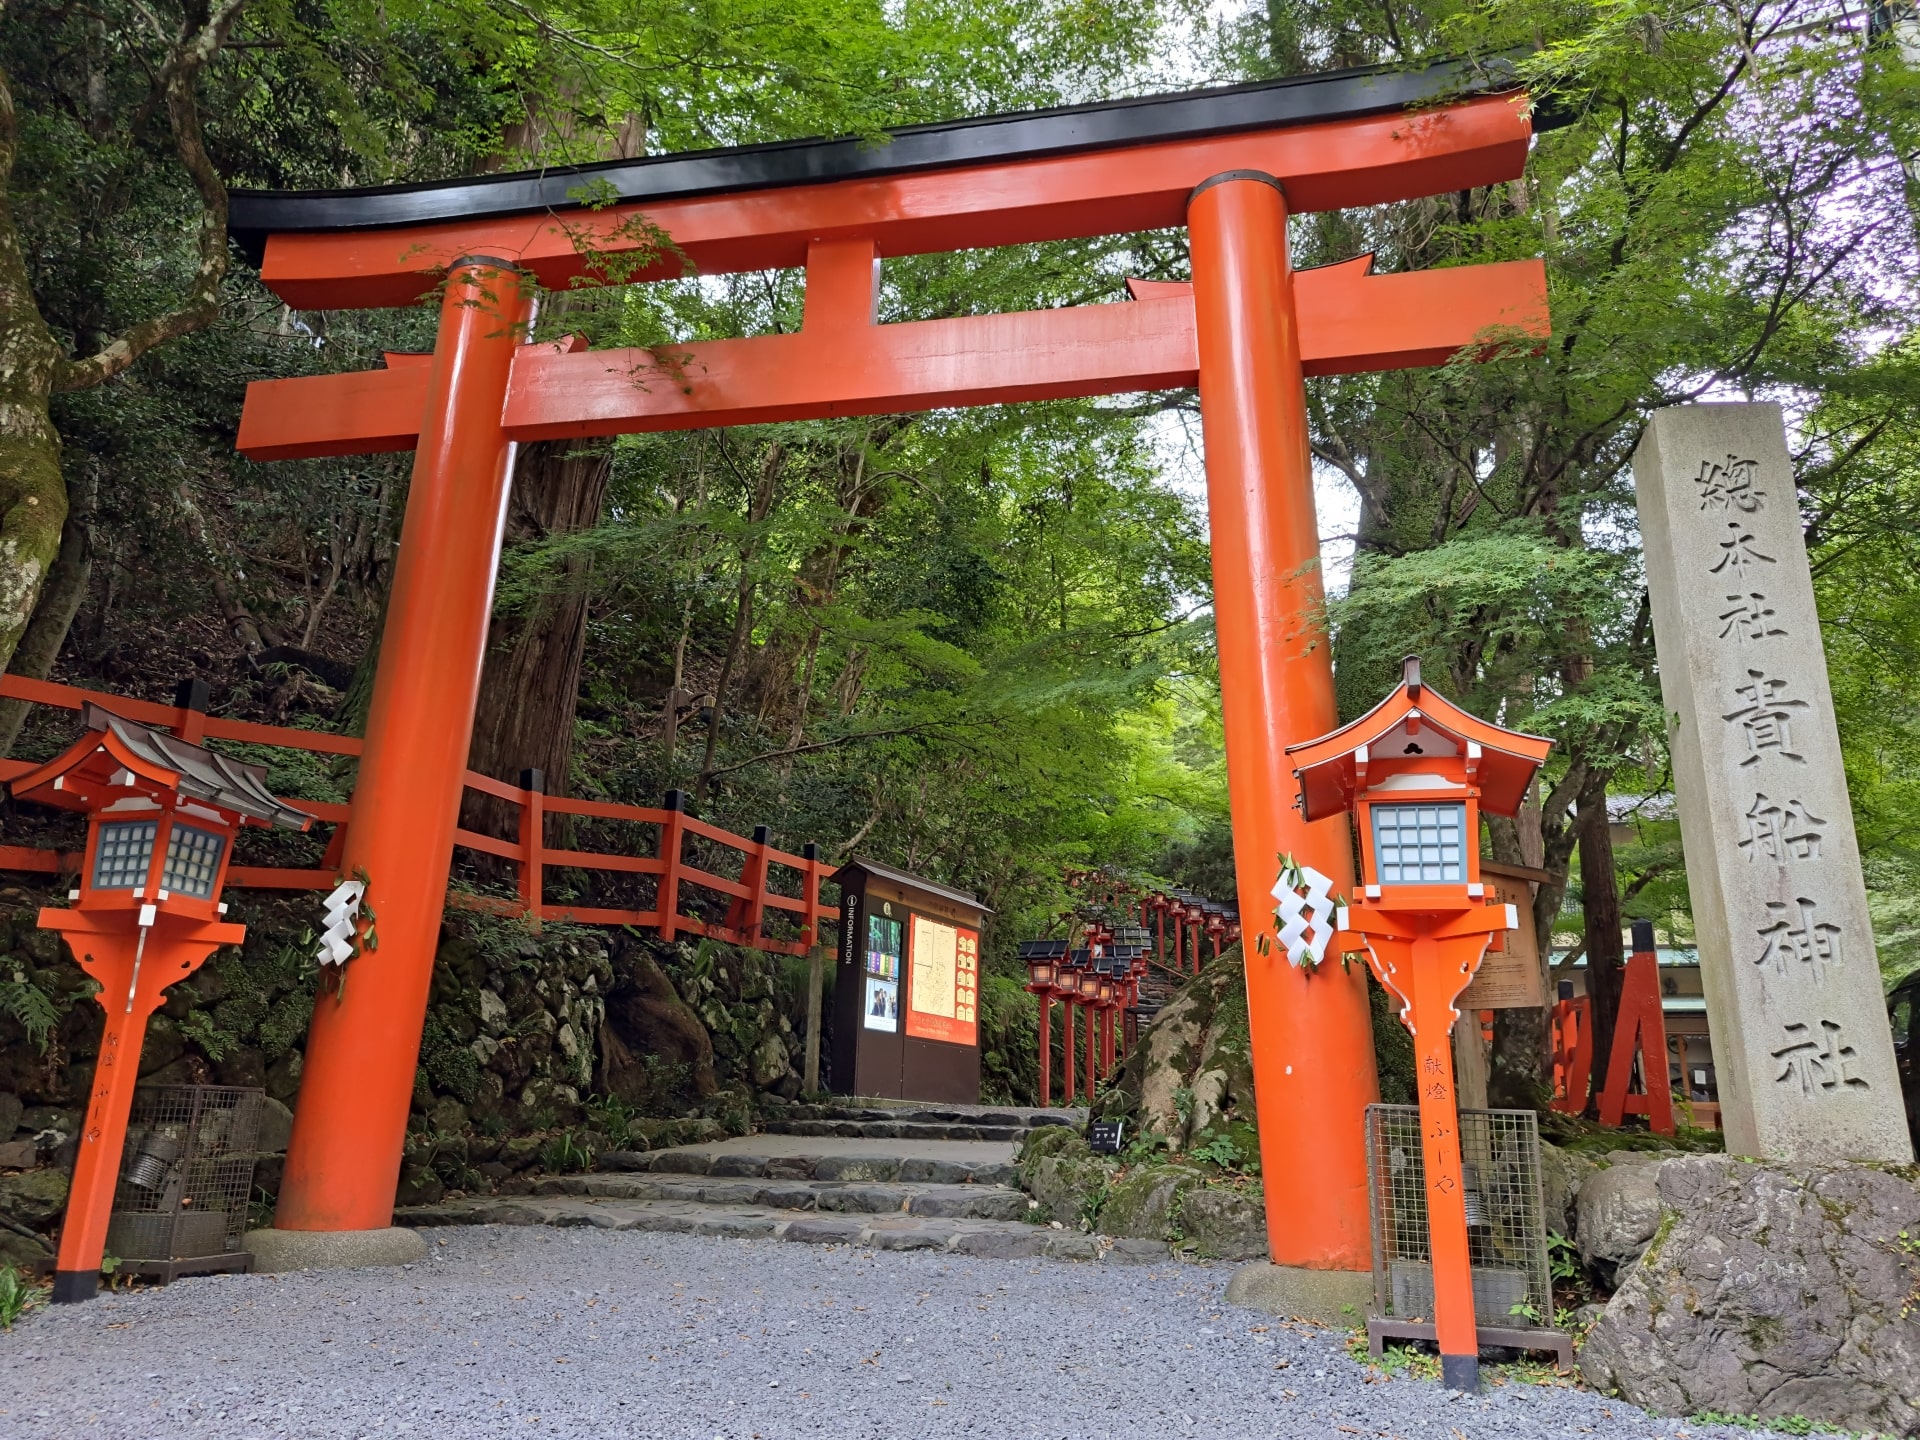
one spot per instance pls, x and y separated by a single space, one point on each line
845 1158
982 1202
869 1108
990 1239
799 1156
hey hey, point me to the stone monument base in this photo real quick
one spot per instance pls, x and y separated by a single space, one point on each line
277 1251
1326 1297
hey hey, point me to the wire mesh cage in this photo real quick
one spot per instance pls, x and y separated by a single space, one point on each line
185 1179
1506 1227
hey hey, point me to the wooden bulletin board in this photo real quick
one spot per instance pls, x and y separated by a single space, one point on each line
1511 979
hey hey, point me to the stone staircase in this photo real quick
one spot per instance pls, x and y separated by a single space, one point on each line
883 1120
1158 986
878 1176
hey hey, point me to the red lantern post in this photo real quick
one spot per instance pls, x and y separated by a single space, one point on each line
1415 772
162 815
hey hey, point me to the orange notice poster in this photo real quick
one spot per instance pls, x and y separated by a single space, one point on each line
943 982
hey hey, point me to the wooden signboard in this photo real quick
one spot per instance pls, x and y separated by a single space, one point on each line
907 990
1510 979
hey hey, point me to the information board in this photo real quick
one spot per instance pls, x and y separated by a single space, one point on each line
943 990
1509 979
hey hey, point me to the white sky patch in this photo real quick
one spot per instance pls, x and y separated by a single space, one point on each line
1176 439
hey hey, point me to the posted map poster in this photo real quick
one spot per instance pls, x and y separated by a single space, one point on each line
944 996
883 947
881 1008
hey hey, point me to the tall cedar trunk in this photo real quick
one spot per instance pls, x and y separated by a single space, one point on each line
33 493
1600 905
59 602
758 508
1519 1070
530 686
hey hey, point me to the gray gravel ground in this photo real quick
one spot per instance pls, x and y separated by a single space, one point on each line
529 1331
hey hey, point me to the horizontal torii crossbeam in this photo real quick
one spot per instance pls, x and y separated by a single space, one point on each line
1230 165
1350 320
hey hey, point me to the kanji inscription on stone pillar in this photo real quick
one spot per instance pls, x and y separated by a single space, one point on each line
1800 1038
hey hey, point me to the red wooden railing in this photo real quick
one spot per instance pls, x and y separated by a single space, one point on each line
750 895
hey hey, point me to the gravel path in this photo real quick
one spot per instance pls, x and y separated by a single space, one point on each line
533 1331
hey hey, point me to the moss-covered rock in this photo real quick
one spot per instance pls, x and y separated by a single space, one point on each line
1047 1140
1070 1187
33 1198
1190 1078
1146 1204
1224 1224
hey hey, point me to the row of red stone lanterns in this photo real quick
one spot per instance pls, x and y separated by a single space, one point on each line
1195 920
1100 978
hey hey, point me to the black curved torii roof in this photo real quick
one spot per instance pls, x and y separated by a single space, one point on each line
993 139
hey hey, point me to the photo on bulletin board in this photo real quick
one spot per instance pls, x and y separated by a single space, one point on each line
883 947
943 997
882 1007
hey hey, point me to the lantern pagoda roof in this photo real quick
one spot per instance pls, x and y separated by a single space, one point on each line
1416 722
1043 949
124 755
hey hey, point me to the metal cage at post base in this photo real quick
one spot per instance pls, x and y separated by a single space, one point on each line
1506 1230
186 1177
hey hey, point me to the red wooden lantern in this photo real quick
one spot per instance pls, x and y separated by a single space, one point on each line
162 815
1416 771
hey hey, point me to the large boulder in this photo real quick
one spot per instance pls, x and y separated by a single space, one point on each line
650 1026
1190 1077
1562 1173
1618 1212
33 1198
1146 1205
1774 1290
1224 1224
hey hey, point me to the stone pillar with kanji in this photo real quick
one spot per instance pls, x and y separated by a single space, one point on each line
1800 1038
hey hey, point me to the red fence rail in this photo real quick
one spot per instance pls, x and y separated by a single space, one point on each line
750 898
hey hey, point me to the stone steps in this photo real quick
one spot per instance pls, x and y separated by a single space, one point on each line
847 1197
988 1239
695 1160
853 1120
837 1193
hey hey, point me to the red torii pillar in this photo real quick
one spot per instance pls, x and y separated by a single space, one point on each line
1246 331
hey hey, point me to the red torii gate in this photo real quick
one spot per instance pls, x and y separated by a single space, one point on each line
1228 164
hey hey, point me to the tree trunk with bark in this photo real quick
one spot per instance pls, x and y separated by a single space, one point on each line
1600 907
33 365
60 601
530 686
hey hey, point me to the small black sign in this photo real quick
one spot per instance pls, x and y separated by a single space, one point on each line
1103 1136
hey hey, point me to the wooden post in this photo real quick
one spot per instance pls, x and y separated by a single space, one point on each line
1572 1054
747 912
668 899
533 829
1066 1051
1093 1027
1046 1049
191 698
816 964
1469 1062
